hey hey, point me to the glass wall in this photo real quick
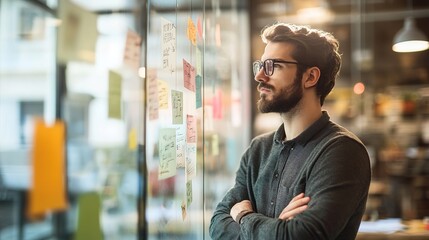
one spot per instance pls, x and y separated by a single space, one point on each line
198 111
74 65
120 119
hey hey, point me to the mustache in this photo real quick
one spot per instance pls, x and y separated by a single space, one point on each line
265 85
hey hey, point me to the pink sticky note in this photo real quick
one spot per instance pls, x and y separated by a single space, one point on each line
191 129
188 76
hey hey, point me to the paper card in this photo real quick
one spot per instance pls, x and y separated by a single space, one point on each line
47 192
180 146
177 109
200 27
215 144
188 76
198 95
217 105
132 50
191 129
115 92
192 32
152 92
88 217
77 34
132 139
168 46
188 193
167 153
199 60
163 91
191 161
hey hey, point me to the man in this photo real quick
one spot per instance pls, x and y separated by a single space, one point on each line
310 178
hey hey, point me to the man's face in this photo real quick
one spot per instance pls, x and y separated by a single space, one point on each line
282 91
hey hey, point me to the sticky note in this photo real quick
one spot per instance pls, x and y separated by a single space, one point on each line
199 60
168 45
200 27
115 92
163 91
132 49
198 95
188 193
88 222
191 129
180 146
167 153
177 109
132 139
191 161
192 32
47 192
152 92
188 76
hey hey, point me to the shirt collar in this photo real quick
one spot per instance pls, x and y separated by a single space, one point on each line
305 136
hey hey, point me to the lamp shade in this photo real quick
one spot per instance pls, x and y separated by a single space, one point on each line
409 38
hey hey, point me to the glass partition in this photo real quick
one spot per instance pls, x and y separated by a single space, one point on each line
198 110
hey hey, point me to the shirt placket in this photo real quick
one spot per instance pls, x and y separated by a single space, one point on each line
281 162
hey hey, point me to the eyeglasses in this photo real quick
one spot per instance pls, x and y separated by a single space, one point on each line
268 66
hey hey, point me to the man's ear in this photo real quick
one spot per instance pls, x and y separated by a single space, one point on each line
312 77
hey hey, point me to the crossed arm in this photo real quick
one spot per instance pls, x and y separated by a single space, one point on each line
297 205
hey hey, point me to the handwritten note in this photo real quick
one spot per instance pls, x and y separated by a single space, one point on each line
198 95
177 103
115 89
192 32
191 161
188 193
191 129
180 146
152 92
132 49
167 153
168 46
188 76
163 91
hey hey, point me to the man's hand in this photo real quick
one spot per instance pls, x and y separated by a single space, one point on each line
244 205
297 205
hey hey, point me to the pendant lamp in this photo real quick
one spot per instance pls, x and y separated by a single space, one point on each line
410 38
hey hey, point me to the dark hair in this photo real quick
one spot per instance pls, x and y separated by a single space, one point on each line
313 47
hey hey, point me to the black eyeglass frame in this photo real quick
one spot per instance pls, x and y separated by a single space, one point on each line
263 64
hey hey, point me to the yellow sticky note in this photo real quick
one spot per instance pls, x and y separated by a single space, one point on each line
47 192
192 32
132 139
163 93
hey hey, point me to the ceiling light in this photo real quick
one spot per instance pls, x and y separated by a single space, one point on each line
410 38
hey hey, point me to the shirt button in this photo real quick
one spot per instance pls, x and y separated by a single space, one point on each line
272 203
276 175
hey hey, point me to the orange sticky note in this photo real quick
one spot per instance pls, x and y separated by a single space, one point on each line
191 32
47 192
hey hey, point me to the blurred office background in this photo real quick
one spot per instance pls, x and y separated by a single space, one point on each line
126 119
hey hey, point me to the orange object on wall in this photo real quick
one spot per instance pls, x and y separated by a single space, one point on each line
47 190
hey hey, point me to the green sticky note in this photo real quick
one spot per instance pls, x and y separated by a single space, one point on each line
115 89
88 223
167 153
188 193
177 109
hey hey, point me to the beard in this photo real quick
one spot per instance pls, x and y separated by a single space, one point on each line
283 101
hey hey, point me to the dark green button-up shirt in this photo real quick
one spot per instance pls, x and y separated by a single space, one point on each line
326 162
